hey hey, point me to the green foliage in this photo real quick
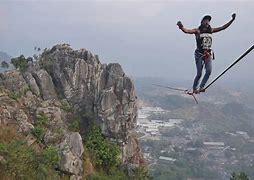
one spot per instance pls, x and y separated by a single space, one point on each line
105 152
66 106
40 127
19 160
20 63
42 120
39 133
75 124
48 160
23 162
46 63
50 156
18 94
25 90
240 176
14 95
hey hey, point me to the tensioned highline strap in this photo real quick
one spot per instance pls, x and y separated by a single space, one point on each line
236 61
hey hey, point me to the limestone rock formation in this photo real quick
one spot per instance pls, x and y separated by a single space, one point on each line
78 77
71 151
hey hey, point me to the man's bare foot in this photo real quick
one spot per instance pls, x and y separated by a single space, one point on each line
195 91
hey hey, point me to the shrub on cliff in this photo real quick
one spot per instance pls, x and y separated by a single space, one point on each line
40 127
20 161
105 153
20 63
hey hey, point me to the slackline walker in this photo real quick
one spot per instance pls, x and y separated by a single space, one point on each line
192 93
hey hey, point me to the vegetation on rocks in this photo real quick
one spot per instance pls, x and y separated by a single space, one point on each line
19 93
20 161
40 127
66 106
20 63
76 75
14 95
104 152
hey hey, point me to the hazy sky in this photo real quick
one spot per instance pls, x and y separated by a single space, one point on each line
140 35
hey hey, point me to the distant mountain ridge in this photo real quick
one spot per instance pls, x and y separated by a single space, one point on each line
7 58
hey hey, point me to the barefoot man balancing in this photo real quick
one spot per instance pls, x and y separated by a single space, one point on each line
203 53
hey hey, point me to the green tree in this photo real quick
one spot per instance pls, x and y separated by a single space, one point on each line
106 153
240 176
20 63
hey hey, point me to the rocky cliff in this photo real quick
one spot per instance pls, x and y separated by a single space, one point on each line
63 76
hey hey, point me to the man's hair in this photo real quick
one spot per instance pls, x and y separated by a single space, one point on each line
208 17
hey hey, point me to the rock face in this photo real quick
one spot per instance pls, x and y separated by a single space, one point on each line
78 77
71 153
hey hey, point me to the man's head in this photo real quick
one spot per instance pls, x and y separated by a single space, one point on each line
206 20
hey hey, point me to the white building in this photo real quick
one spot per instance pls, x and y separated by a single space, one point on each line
150 130
243 134
152 126
214 145
165 159
153 110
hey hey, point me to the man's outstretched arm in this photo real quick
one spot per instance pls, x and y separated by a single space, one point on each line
214 30
185 30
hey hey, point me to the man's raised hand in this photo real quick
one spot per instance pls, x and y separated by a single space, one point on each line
233 16
179 24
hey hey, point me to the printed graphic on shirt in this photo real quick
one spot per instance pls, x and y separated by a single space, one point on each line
206 40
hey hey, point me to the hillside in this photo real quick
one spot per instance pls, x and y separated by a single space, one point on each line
69 113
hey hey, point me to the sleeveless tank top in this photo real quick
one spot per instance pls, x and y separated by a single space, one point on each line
204 39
